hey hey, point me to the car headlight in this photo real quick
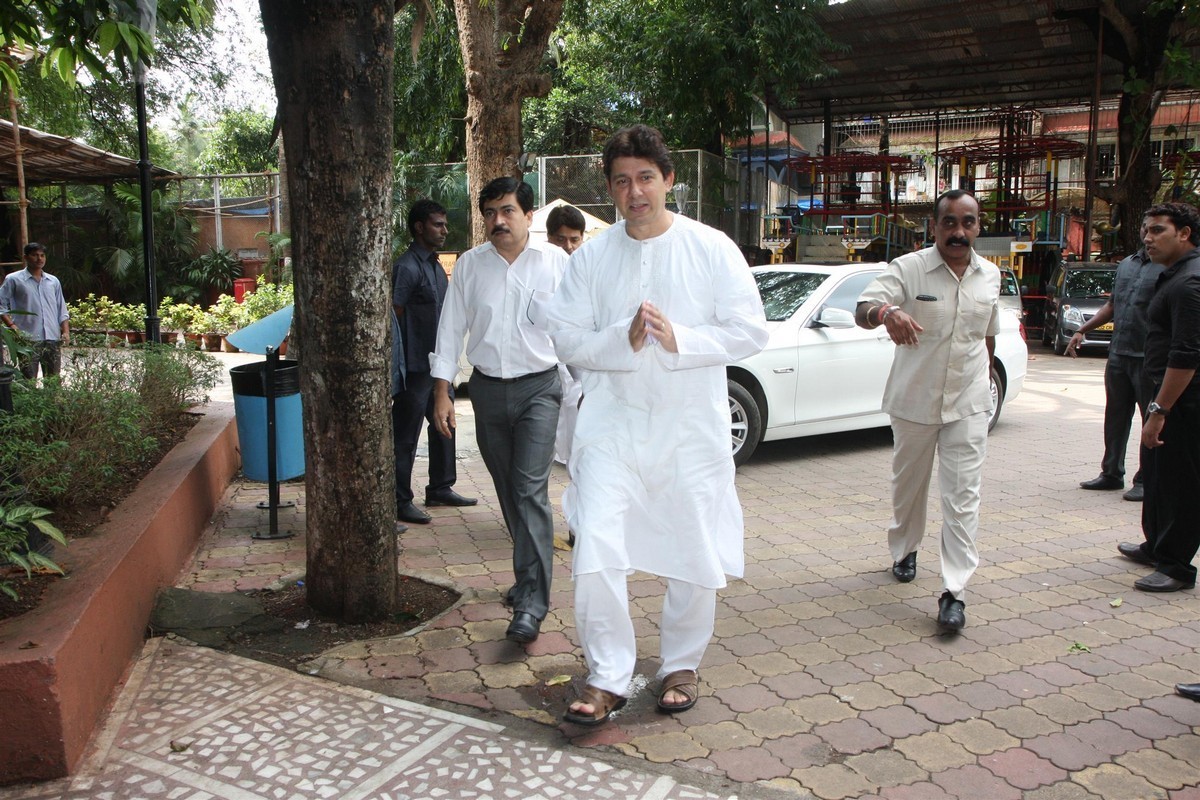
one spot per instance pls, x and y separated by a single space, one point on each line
1074 315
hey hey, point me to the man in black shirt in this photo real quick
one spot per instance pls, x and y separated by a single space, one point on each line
1171 434
418 290
1125 386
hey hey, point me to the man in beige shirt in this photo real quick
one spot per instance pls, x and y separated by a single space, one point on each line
940 306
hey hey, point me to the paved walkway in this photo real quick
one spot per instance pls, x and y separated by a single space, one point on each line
826 678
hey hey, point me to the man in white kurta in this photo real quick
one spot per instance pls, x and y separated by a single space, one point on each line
941 306
652 311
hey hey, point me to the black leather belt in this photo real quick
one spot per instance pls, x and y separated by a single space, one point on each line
486 377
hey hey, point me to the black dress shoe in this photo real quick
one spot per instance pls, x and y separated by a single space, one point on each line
523 628
1104 483
410 513
1189 690
448 497
951 613
1135 494
1161 582
905 569
1135 552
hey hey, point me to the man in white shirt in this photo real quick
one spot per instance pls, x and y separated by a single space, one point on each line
941 306
514 388
45 321
652 310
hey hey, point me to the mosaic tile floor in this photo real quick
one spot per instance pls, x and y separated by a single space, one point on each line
196 724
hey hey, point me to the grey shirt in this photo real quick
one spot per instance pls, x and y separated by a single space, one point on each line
1133 287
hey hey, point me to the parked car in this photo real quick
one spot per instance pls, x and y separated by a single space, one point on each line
1075 292
821 373
1010 293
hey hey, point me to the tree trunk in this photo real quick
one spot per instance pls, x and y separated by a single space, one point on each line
502 43
332 63
1138 37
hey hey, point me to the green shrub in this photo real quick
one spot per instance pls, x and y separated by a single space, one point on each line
78 437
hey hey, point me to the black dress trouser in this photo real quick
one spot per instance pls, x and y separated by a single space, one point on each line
1171 509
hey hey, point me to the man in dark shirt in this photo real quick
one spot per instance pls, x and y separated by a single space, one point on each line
418 290
1125 386
1171 434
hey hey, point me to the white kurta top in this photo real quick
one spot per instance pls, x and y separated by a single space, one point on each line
651 464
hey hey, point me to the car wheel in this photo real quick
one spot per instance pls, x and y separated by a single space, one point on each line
745 420
1060 342
997 387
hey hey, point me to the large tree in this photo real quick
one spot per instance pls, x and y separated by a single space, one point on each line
1152 39
503 42
332 65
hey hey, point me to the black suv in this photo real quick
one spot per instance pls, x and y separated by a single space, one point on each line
1076 291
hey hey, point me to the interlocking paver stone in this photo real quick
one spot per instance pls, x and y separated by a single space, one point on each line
833 781
1161 769
934 751
1023 768
973 780
1113 782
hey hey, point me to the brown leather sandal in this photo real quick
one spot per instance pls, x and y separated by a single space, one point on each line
603 705
684 681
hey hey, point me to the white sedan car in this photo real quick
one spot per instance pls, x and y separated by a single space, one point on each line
821 373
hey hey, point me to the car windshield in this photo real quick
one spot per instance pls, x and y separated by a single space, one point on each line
784 292
1093 283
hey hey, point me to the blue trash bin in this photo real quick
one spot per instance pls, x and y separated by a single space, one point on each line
250 408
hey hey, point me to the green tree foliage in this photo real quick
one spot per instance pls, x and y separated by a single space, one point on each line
430 92
694 68
240 142
96 35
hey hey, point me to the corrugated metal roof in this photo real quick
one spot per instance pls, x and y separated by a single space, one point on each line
55 159
899 56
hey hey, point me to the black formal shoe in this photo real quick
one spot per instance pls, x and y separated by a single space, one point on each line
523 628
1135 552
1161 582
951 613
401 527
448 497
410 513
1189 690
905 569
1135 493
1104 483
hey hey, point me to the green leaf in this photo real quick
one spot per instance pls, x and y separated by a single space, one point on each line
107 36
1079 647
64 60
49 529
130 39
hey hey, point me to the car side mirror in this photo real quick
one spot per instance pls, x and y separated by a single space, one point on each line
1024 290
835 318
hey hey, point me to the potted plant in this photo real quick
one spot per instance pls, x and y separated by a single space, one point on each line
177 318
215 271
227 315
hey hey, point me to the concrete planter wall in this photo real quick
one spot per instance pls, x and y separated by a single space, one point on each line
60 663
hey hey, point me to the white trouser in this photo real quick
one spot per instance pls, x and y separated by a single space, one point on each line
960 446
606 632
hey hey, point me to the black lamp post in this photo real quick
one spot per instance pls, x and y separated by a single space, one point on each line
147 15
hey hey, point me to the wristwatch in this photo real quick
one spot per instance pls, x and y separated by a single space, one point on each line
1155 408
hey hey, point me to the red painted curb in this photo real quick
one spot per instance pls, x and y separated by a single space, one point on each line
89 627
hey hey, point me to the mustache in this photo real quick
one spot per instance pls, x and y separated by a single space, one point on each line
958 240
499 229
